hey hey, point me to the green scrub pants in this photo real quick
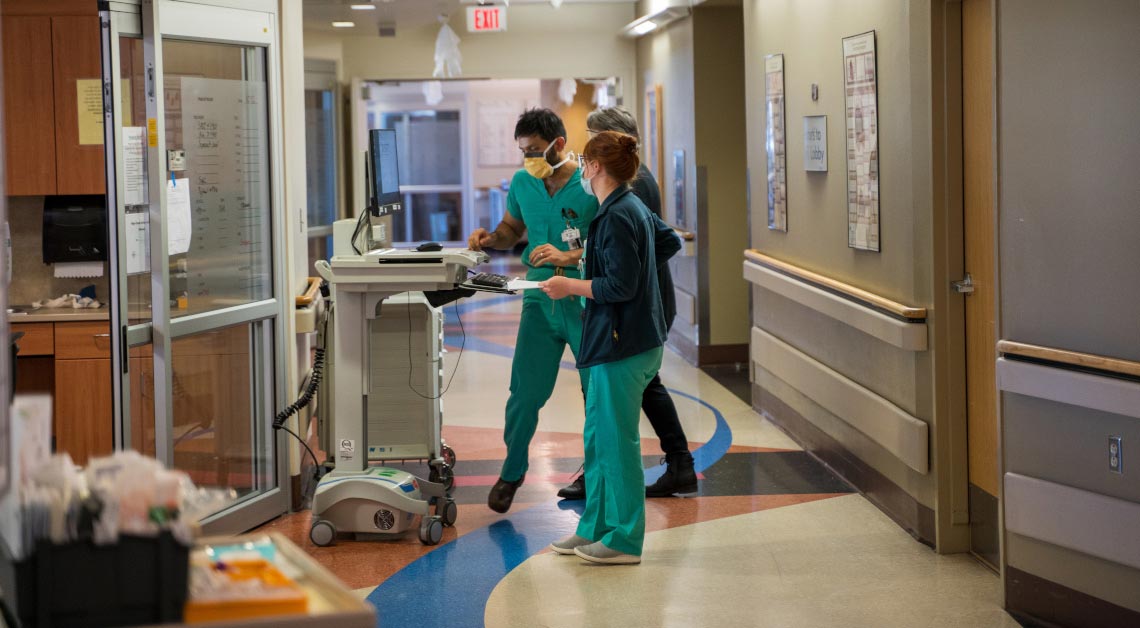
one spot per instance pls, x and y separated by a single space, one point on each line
546 327
615 481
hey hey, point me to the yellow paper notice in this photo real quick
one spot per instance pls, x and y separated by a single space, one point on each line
89 93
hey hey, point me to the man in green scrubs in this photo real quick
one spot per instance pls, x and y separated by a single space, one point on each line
547 202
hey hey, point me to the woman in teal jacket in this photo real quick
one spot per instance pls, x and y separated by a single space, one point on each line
622 337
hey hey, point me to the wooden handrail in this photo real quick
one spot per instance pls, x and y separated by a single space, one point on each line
305 300
843 289
1075 358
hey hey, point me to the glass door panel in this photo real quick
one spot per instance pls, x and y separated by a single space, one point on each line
216 114
141 379
199 344
134 195
320 174
217 438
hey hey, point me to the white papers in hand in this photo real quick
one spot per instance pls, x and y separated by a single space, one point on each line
522 284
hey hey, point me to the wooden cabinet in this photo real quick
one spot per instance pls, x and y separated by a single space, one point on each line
29 119
84 426
46 53
76 54
72 363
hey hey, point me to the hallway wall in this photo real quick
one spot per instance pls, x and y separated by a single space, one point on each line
541 43
1069 262
795 344
698 63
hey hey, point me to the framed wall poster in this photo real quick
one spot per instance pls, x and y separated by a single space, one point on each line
860 83
652 131
776 144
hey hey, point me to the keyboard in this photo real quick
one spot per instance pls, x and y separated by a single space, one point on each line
490 280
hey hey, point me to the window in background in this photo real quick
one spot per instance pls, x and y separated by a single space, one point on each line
431 175
321 152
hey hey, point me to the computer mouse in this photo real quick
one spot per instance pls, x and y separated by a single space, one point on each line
430 246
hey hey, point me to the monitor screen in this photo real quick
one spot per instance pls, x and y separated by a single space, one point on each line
385 172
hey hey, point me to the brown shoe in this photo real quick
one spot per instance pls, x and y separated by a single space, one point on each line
503 493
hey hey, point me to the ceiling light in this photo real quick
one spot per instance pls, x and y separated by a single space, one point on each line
363 7
643 27
654 21
343 24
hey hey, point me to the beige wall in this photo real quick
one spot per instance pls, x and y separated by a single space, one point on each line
666 58
808 33
718 45
698 61
542 42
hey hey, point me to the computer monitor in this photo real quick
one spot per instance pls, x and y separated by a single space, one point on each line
384 173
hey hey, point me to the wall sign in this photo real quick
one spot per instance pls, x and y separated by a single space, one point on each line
860 89
776 144
815 143
486 19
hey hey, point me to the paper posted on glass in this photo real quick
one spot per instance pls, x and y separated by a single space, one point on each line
522 284
134 166
177 224
178 227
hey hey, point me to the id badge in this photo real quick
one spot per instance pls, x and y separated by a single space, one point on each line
573 238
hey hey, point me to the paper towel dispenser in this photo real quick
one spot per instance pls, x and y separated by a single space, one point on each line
75 229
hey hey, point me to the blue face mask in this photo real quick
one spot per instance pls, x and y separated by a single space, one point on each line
586 186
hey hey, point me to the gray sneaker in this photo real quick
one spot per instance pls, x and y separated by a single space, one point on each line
566 545
598 553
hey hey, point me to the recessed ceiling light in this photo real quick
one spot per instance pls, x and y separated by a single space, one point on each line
364 7
343 24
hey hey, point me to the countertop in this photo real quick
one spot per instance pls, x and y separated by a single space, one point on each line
57 315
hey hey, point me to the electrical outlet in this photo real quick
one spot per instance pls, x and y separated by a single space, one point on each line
1115 455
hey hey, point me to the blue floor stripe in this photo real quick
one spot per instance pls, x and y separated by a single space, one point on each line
466 570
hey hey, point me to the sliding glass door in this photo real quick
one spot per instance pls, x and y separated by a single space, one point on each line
198 275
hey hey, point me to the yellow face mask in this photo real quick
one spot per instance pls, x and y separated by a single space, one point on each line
537 165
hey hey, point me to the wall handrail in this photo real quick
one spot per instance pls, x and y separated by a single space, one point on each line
915 314
1072 358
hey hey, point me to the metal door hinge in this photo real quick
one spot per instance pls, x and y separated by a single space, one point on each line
965 286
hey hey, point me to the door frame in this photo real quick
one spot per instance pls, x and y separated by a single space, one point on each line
947 342
211 21
948 338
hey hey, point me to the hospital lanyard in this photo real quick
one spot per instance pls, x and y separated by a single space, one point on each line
572 236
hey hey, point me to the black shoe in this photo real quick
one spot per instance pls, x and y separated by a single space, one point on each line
503 493
679 478
576 490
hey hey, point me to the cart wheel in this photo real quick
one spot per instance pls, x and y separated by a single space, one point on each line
431 530
322 533
447 511
449 456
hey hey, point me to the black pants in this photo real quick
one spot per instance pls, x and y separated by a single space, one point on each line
658 406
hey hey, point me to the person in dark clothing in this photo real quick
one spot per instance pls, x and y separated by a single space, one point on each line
623 333
680 477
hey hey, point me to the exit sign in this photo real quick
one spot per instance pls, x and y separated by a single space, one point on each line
486 19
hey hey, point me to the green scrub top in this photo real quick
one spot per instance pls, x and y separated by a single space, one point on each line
543 214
